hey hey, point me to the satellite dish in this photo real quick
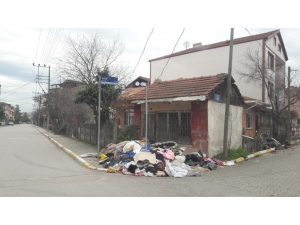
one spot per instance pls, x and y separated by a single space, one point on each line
186 44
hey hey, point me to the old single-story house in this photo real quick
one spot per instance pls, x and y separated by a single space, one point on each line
190 111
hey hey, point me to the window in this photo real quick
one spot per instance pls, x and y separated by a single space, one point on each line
249 118
279 47
271 89
128 117
274 41
271 61
268 119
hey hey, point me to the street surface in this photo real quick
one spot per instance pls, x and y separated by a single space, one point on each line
32 166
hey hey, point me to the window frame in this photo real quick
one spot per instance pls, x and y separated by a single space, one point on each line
249 114
279 47
274 41
128 119
271 61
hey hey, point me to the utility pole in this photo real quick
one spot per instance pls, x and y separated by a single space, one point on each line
225 139
48 112
289 109
39 99
99 116
41 77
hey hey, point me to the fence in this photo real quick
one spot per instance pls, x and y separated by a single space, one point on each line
86 132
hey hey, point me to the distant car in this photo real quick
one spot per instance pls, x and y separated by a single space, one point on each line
10 123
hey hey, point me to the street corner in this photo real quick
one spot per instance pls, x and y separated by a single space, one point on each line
69 152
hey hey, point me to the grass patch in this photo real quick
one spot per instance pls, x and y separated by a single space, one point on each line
232 154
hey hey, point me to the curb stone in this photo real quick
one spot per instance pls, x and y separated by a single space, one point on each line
241 159
70 153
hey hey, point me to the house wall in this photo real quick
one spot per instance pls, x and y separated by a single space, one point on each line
273 48
209 62
138 118
199 125
216 119
166 107
214 61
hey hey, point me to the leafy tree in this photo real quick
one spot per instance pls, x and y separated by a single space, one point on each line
90 95
25 118
2 113
17 114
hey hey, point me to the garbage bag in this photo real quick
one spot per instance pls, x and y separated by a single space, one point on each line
174 171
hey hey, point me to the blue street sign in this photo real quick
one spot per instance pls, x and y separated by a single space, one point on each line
109 80
217 98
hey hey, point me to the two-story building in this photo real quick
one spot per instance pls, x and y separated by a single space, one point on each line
203 60
9 111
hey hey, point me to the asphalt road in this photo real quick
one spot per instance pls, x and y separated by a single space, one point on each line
32 166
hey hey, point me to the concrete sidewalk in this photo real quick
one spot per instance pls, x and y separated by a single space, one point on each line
74 148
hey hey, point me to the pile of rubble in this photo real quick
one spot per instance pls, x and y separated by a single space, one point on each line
165 159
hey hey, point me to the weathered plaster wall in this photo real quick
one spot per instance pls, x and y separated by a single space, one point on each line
199 125
138 118
216 119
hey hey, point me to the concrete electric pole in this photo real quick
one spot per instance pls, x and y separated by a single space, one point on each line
39 77
225 139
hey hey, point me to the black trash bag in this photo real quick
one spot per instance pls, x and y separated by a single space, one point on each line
153 169
210 165
132 168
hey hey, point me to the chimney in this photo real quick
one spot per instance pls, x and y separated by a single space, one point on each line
197 45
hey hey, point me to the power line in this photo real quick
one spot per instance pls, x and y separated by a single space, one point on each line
171 54
142 52
18 87
38 45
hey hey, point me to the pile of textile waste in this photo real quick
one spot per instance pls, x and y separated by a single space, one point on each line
166 159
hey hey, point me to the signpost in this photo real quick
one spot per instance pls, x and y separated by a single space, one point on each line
103 80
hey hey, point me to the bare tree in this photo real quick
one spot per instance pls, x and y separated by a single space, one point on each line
63 109
255 70
82 56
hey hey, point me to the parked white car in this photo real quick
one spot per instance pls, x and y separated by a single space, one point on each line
10 123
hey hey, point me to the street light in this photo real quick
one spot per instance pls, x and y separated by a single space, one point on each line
145 84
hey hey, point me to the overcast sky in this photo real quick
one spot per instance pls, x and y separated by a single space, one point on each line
20 47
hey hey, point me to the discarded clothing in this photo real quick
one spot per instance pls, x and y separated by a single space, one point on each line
145 155
194 173
210 165
88 155
200 168
180 164
111 170
168 154
161 174
161 166
132 168
152 169
132 146
180 158
219 162
174 171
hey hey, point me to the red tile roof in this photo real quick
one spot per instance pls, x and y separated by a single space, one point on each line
227 43
129 92
181 87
